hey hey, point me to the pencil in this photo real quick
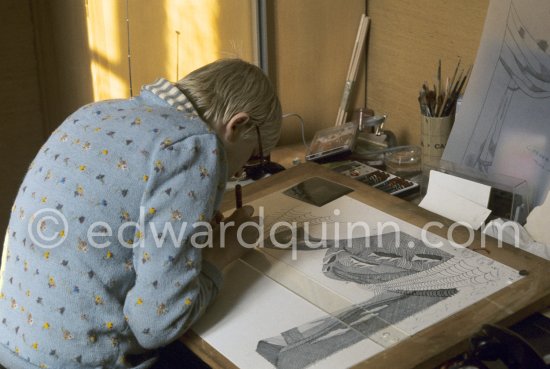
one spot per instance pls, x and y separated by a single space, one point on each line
238 196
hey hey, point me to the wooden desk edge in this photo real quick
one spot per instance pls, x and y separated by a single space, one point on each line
413 348
206 352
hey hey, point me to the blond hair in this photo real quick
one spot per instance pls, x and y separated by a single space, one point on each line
221 89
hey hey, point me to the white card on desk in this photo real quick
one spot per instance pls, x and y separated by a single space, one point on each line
458 199
473 191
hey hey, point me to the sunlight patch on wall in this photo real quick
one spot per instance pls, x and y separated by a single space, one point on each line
169 39
198 42
105 21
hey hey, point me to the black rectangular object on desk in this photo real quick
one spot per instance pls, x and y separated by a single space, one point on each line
377 178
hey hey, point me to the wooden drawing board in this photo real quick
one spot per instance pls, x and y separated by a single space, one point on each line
429 346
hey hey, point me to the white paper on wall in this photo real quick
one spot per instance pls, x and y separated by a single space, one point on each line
503 125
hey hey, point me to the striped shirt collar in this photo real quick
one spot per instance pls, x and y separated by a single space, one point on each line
168 92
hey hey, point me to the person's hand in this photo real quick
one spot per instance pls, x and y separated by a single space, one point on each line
233 237
217 219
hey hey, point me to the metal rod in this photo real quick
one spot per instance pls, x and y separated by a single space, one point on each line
129 50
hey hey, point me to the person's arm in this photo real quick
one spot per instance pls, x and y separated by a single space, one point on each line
173 284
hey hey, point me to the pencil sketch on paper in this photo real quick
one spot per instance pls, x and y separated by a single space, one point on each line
525 66
502 126
406 275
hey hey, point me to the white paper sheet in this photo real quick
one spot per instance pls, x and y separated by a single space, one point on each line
457 199
502 126
251 307
514 234
537 223
473 191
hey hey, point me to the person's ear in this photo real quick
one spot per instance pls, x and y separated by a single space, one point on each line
231 128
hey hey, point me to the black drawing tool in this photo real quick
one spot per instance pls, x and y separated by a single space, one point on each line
238 196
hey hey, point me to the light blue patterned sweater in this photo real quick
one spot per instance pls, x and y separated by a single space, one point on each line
81 285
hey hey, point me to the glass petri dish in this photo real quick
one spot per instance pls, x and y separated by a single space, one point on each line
404 161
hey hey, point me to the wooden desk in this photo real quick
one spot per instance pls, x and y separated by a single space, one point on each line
446 338
284 155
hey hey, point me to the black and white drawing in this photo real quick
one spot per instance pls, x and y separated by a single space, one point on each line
345 298
391 263
502 126
524 66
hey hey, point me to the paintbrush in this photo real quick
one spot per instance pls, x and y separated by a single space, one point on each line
457 91
441 102
423 103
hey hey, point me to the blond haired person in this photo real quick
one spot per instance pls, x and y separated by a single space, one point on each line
105 257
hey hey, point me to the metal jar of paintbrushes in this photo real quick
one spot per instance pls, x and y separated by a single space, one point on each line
437 108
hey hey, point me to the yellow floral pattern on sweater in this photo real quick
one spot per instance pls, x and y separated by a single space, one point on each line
109 168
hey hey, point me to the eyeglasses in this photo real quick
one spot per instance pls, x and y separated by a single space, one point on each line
258 165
